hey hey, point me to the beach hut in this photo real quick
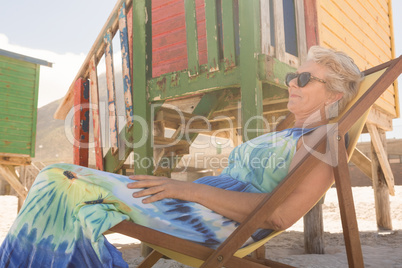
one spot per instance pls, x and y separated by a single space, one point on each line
19 85
216 62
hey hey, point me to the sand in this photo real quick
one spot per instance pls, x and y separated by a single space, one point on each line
379 249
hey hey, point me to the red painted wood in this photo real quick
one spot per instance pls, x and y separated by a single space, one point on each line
81 122
169 45
311 21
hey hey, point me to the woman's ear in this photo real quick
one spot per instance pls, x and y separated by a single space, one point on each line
334 97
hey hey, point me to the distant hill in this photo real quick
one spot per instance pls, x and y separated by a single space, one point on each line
52 144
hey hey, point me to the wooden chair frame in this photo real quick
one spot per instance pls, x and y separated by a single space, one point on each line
223 256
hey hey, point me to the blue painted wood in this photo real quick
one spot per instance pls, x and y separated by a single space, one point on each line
125 59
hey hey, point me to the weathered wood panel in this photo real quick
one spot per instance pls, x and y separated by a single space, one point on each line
169 51
18 98
363 30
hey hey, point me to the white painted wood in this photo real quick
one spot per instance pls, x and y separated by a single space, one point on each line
280 49
301 30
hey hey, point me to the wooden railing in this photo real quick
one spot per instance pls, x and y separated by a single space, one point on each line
226 24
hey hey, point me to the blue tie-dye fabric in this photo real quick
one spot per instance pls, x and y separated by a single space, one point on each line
69 207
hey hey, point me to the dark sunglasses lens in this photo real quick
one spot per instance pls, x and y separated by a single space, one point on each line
303 79
290 77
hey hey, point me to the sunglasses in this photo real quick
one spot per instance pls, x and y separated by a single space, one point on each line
302 78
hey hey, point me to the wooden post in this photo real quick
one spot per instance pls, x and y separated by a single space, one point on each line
381 192
81 122
314 230
23 180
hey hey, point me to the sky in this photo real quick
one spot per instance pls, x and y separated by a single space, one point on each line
63 32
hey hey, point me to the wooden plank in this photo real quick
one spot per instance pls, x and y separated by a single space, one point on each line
126 68
14 159
94 91
346 204
280 50
380 119
301 30
376 16
35 111
97 49
9 108
349 27
176 244
11 69
111 89
251 86
179 84
142 71
192 37
17 104
211 22
12 91
377 6
311 23
202 33
265 27
381 189
362 162
81 122
379 30
229 53
150 260
382 157
8 173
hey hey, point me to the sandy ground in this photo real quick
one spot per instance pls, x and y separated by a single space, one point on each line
379 249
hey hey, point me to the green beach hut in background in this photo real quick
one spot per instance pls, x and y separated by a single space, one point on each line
19 86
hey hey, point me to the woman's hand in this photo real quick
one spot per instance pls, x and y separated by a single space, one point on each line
158 188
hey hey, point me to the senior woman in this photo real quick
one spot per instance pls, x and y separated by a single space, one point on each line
69 207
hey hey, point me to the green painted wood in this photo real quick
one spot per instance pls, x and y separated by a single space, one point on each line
14 126
163 87
20 66
271 70
211 24
229 53
142 71
251 86
19 82
192 37
9 90
15 138
12 108
14 131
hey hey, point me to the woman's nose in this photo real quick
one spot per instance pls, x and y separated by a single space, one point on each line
293 82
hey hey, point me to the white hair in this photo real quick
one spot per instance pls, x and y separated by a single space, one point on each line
343 75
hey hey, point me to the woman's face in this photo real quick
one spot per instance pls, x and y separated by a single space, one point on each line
304 101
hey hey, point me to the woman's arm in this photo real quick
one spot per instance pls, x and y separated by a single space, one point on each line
231 204
237 205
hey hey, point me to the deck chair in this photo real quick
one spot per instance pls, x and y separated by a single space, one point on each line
376 81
